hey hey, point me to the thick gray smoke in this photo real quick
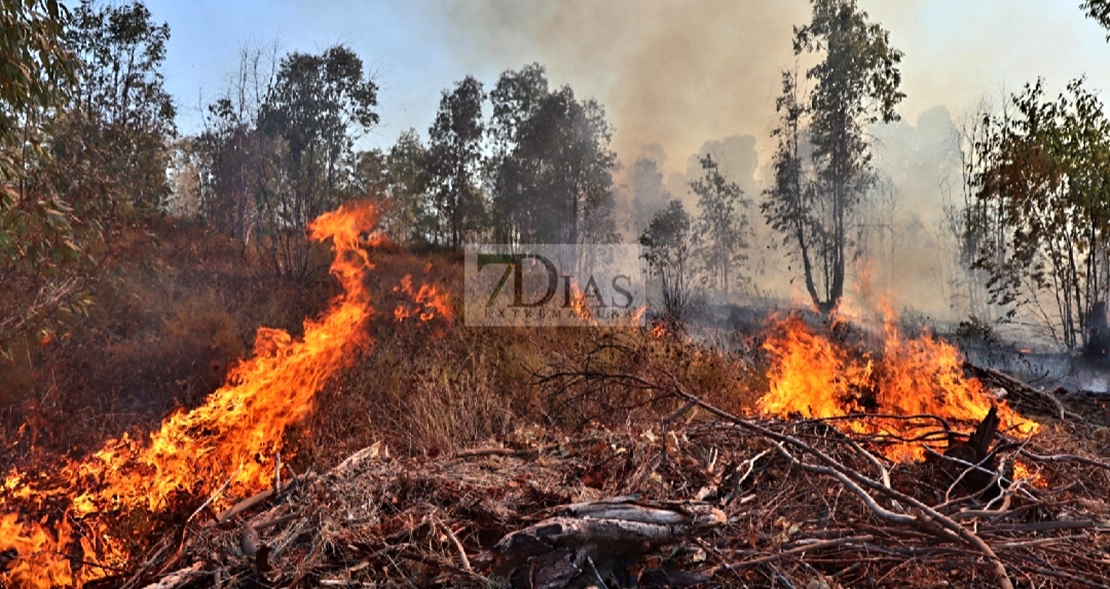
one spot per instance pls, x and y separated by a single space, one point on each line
683 78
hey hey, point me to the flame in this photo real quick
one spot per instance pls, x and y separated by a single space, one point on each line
580 307
227 445
813 376
1022 473
430 301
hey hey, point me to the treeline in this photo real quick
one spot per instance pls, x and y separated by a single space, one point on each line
281 148
88 144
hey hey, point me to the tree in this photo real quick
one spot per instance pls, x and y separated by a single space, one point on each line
409 187
233 157
313 112
973 221
722 224
668 249
1042 209
42 239
855 84
454 156
515 99
112 146
552 169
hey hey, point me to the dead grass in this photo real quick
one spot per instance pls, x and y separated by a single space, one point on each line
177 305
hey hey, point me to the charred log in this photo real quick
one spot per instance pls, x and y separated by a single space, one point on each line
972 467
588 542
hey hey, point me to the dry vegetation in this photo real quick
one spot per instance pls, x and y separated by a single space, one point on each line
178 304
441 440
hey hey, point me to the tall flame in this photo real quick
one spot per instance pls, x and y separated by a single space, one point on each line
813 376
226 444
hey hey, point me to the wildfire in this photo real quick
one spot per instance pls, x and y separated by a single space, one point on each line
225 446
814 376
430 301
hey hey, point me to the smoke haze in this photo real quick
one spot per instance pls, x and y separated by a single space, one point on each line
695 77
673 73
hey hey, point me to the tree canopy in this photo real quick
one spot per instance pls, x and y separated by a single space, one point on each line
822 164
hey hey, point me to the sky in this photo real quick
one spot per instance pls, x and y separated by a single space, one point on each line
667 72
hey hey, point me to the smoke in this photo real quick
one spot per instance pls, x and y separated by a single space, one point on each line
679 79
672 73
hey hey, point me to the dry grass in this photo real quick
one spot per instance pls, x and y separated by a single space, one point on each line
177 305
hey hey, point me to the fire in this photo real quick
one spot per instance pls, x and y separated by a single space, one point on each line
579 305
1022 473
430 301
815 377
227 446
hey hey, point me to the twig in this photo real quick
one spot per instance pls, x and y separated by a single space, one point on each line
798 550
1065 458
216 494
458 546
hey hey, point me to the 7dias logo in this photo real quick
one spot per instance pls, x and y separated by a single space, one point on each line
553 285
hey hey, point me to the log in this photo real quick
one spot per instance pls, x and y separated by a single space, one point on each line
593 538
1031 400
973 468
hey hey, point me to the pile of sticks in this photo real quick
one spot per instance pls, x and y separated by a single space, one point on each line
717 500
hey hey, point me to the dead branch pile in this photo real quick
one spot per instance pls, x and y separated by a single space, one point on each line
723 501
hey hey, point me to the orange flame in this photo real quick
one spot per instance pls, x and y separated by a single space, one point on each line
579 306
1022 473
228 443
815 377
430 301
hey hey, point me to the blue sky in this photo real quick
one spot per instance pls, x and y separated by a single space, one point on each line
677 73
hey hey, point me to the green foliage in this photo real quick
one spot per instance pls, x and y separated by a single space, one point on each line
722 225
813 203
1041 217
668 245
552 172
42 241
453 161
36 66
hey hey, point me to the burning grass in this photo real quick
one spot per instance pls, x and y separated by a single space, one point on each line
823 451
225 447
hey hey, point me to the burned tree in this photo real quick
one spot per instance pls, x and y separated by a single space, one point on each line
816 196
